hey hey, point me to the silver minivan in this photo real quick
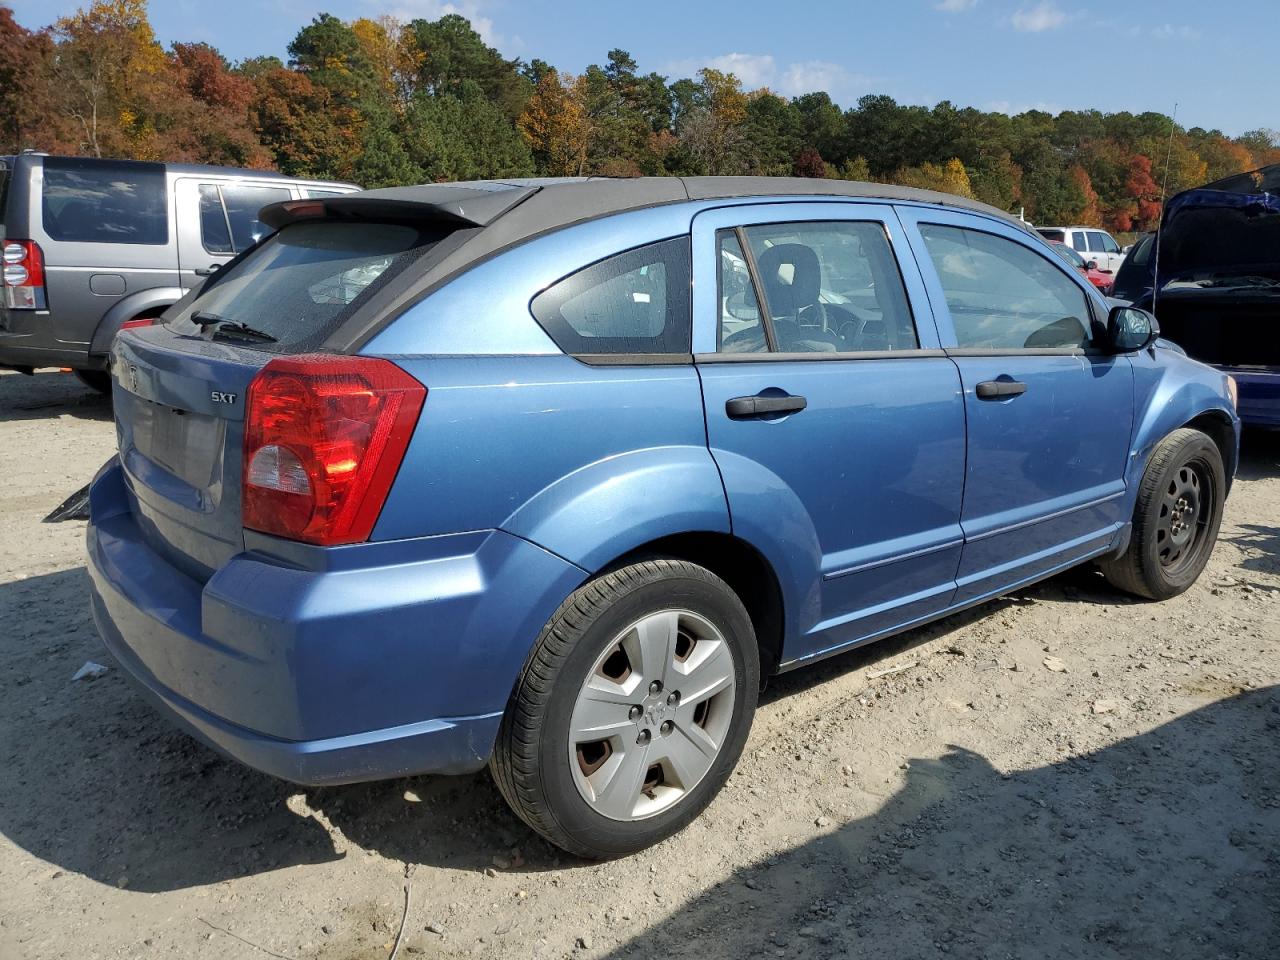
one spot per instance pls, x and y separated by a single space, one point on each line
91 244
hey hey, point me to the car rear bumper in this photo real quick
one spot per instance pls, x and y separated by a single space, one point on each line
27 340
1259 394
327 666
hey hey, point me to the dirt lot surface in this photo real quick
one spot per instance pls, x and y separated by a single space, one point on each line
1062 773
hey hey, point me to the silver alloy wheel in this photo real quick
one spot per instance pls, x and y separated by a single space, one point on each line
652 715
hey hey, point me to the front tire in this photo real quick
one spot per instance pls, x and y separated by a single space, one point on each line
1176 519
632 709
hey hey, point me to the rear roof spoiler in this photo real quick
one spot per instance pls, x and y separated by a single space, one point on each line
475 204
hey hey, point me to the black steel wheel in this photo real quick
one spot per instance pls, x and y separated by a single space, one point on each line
1175 520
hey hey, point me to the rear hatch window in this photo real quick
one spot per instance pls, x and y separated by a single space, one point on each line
104 201
302 283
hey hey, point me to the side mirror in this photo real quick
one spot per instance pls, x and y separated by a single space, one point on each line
1091 265
1130 329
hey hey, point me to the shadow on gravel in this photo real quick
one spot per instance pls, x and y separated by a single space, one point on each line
1259 454
1263 539
96 782
1083 584
48 394
93 780
1166 844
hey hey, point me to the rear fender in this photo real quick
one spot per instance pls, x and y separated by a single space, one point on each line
768 515
609 508
152 301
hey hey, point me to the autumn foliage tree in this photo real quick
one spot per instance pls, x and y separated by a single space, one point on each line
1144 210
381 101
555 124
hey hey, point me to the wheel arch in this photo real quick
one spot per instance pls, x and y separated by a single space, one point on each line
1222 432
739 564
150 302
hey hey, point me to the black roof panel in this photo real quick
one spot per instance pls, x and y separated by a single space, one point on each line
525 207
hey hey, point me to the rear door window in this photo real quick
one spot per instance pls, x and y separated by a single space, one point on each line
825 287
243 203
634 303
229 215
1078 242
304 281
741 324
104 201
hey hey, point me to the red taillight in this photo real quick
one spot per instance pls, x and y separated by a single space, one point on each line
138 322
324 437
23 276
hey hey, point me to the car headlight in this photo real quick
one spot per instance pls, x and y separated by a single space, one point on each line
1233 391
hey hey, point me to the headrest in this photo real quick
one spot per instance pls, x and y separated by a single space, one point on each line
792 277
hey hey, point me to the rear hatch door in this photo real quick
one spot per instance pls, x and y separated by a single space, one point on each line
181 386
179 407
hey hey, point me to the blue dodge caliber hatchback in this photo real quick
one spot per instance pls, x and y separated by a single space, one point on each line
552 475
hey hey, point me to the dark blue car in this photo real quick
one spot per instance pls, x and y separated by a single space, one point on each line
553 475
1211 275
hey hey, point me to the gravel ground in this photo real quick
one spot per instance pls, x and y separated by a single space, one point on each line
1064 772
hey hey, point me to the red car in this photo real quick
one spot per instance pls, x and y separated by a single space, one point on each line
1101 279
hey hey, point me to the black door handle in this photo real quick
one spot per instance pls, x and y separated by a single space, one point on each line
998 389
208 271
743 408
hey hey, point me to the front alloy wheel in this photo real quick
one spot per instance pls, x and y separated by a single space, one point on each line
632 709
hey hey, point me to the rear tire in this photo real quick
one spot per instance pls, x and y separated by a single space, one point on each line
99 380
632 709
1176 519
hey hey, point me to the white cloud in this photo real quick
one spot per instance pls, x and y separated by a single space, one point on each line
1043 16
955 6
1167 31
753 69
407 10
1013 109
792 79
812 76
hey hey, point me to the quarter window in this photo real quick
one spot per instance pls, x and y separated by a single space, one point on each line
824 287
104 201
1002 295
634 303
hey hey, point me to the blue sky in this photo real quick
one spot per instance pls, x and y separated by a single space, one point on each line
1007 55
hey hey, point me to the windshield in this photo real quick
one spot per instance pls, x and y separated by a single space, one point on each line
299 285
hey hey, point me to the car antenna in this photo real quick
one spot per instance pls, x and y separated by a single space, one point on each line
1164 186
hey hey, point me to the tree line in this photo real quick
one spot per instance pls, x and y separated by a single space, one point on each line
382 102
